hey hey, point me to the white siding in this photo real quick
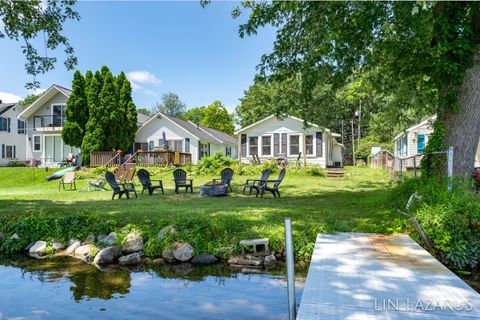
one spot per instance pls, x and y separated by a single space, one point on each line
12 138
290 127
153 132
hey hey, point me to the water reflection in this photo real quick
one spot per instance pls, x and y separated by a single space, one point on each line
67 288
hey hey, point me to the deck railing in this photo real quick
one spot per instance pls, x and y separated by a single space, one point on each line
142 159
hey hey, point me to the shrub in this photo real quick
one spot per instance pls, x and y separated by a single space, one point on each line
213 164
451 220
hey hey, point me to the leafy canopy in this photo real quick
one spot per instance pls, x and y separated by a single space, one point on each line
28 21
171 105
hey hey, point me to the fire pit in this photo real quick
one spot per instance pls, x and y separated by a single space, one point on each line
214 190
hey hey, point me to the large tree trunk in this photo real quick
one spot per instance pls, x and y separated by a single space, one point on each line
463 127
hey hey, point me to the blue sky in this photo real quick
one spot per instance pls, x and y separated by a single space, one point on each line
162 46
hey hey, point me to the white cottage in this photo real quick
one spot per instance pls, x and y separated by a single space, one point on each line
183 136
12 134
413 141
287 137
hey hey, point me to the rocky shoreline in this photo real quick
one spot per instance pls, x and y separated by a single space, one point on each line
127 249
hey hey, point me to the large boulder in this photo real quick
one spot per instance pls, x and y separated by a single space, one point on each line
167 254
39 248
270 261
245 261
108 255
108 240
204 258
133 243
28 246
130 259
84 250
183 252
89 240
166 230
57 245
73 246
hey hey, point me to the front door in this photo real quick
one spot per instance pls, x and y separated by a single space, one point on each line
53 149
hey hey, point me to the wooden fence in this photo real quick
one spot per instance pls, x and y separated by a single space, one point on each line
142 159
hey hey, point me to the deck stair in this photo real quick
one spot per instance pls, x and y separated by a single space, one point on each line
335 173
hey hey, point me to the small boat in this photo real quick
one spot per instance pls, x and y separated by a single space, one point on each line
59 174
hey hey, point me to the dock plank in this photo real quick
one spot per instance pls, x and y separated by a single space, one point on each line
372 276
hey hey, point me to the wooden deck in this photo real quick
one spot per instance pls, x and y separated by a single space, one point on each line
143 159
359 276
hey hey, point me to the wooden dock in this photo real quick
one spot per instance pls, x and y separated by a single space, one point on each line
358 276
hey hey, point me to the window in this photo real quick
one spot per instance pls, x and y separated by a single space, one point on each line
4 124
21 127
204 150
420 143
58 115
36 143
228 151
266 145
175 145
319 144
9 150
187 145
294 144
243 143
150 145
309 144
253 145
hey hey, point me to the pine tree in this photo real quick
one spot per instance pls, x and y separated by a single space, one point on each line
94 135
76 113
129 112
112 118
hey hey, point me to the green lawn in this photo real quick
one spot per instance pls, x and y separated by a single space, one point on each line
315 204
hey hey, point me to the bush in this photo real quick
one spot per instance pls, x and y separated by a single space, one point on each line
213 164
451 220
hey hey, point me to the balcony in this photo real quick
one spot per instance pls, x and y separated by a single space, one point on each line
48 123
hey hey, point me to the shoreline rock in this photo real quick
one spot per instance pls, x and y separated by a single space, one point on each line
130 259
108 255
183 252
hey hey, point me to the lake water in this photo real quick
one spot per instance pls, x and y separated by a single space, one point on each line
66 288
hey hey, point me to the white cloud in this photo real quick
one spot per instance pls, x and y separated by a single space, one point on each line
37 91
143 77
135 87
7 97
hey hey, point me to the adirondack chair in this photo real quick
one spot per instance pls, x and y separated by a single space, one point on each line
299 156
257 158
129 175
181 181
255 183
274 188
68 178
144 177
119 188
225 178
95 185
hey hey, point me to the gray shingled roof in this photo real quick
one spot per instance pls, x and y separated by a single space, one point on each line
220 135
192 128
65 91
4 107
142 118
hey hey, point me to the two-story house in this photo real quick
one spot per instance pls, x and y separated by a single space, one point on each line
45 119
12 134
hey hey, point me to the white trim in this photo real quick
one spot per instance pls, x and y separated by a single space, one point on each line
28 112
271 145
41 145
166 117
424 122
299 134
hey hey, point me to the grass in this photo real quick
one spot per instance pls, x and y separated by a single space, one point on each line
315 204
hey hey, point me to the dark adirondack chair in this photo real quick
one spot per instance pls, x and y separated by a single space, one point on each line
274 188
181 181
255 183
119 188
144 177
225 178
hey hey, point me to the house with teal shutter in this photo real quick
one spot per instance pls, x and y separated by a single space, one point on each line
12 134
413 141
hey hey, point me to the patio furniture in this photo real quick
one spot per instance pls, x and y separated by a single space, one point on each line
256 159
144 177
68 178
129 175
119 188
255 183
181 181
215 190
225 178
95 185
274 188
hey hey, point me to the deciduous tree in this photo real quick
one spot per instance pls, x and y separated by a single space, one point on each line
171 105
